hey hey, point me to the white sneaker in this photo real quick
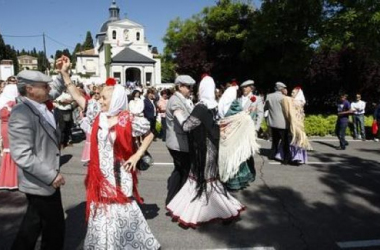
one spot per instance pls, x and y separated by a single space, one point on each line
376 140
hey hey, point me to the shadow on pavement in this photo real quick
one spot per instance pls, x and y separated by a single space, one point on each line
285 219
328 144
75 227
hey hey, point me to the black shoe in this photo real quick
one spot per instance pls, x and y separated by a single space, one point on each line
346 143
295 163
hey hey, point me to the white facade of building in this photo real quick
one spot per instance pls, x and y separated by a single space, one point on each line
132 59
6 69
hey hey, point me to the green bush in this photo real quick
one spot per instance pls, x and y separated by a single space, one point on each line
323 125
158 127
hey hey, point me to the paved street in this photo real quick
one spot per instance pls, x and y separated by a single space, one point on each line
331 203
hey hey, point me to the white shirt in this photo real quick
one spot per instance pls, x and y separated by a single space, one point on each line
64 97
245 99
44 111
358 107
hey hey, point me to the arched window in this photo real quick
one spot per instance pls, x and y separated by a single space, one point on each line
138 36
114 34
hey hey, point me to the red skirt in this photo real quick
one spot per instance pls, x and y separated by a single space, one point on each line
8 172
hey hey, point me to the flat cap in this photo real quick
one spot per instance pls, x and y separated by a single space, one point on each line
184 79
31 76
247 83
280 85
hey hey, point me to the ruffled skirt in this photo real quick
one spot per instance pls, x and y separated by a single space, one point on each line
119 226
220 205
298 154
8 172
242 178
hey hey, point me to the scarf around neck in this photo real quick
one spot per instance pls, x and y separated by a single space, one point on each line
99 190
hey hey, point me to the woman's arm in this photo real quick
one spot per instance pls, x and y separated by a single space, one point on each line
131 163
71 88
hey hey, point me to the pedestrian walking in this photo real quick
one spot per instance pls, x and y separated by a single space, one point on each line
344 110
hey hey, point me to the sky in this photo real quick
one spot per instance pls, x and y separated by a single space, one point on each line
66 22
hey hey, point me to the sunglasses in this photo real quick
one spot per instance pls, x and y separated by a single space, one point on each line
96 93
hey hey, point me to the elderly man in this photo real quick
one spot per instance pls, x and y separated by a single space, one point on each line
34 146
277 122
252 103
176 138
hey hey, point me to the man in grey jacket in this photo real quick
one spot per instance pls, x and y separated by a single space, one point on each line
176 138
277 122
35 147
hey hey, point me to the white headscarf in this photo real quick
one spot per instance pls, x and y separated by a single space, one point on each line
226 100
207 92
119 101
300 96
9 94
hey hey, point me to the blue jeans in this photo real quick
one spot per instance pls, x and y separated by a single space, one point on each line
358 121
340 131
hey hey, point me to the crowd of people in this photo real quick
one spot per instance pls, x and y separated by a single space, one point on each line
212 142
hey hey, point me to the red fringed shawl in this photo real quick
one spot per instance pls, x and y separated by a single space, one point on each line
99 190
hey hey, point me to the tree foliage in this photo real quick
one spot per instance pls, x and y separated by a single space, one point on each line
8 53
326 46
89 42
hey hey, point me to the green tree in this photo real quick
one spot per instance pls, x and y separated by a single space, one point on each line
8 53
77 49
89 42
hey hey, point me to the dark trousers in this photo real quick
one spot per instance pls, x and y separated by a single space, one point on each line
182 164
152 122
340 131
43 215
163 128
65 119
281 136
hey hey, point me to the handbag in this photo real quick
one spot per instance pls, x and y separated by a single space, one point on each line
146 160
375 128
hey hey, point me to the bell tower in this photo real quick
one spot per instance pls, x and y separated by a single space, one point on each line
114 12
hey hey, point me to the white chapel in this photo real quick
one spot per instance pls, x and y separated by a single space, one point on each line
122 52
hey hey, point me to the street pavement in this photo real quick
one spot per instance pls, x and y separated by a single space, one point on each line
333 202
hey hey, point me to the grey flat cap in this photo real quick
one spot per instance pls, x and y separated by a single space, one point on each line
184 79
247 83
280 85
31 76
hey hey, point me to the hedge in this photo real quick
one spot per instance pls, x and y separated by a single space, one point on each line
323 125
318 125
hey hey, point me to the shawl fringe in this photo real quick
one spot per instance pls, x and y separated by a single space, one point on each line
99 190
296 125
237 144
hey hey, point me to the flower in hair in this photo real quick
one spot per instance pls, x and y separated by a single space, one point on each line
111 82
